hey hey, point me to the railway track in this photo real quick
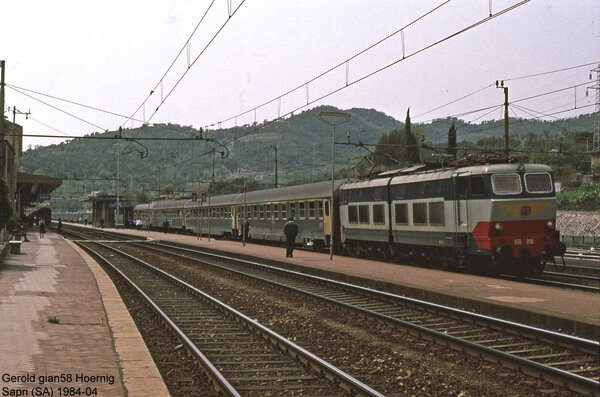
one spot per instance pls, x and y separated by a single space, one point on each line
558 358
557 278
239 355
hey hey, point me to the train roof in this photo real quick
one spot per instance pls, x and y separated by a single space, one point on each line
446 173
307 191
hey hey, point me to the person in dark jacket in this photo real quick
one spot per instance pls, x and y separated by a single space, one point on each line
291 231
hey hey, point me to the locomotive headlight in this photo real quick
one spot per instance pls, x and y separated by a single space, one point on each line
498 227
550 225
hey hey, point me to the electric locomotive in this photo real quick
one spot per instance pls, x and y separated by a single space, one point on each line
486 214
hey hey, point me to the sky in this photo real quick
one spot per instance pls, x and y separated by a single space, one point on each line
245 57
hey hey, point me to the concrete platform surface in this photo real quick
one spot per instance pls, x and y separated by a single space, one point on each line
570 311
63 325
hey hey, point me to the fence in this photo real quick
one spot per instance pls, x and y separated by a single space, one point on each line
581 241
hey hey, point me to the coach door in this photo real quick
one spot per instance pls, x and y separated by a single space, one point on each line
234 219
327 218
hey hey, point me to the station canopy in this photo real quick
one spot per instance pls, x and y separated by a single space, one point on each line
30 186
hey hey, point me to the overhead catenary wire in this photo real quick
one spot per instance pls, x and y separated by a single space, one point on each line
163 99
481 21
186 44
343 63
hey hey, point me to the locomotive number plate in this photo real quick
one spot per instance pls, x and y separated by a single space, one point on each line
525 210
518 241
530 241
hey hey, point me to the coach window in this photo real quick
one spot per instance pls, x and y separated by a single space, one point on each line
379 214
363 214
436 213
283 211
420 213
276 211
301 209
262 211
311 210
268 211
326 208
320 207
401 214
352 214
504 184
539 182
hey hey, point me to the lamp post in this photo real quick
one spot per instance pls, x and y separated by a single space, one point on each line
333 119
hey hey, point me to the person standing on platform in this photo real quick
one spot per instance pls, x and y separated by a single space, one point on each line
42 226
59 226
245 229
291 231
138 224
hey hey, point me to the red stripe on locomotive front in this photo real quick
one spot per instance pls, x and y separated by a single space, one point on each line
530 234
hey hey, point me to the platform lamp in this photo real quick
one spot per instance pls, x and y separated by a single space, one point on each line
333 119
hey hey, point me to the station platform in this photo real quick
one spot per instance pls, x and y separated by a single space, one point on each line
569 311
64 329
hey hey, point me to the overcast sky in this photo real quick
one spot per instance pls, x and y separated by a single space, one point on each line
110 54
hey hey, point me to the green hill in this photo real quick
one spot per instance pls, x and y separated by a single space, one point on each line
303 142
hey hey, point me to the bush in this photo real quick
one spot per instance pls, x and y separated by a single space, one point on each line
580 199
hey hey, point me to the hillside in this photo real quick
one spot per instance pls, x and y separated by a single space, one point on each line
303 142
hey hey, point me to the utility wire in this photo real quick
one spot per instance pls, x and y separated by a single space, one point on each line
454 101
172 63
334 67
71 102
55 108
192 63
348 84
552 71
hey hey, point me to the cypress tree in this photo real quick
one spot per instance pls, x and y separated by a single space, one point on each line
452 141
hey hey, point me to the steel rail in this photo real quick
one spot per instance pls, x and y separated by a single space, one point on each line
552 374
221 384
334 374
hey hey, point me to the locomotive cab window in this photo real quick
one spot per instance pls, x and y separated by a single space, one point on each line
505 184
352 214
363 214
420 213
539 182
379 214
401 213
436 213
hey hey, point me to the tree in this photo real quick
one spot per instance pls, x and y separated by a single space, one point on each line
452 141
6 210
413 153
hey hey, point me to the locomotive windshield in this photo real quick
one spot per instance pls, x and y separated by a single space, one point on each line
506 184
539 182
